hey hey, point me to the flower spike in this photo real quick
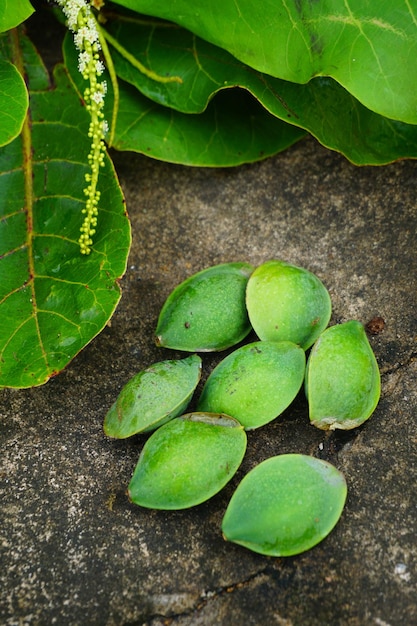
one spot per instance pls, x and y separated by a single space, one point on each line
81 22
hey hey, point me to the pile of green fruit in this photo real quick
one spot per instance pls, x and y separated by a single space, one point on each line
290 502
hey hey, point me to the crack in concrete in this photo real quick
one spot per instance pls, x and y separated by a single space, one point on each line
205 598
412 357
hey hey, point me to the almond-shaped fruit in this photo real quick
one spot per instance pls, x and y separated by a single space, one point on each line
285 505
255 383
287 303
153 397
342 378
187 461
207 311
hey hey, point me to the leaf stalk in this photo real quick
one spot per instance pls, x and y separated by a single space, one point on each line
136 63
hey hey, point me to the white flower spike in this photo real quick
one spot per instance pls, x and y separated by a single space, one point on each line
82 23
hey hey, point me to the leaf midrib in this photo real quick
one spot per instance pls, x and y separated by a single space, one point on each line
27 165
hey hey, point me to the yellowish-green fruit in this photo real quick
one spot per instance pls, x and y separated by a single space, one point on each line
285 505
287 303
152 397
255 383
342 378
207 311
187 461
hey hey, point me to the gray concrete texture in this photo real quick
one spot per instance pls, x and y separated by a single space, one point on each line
75 551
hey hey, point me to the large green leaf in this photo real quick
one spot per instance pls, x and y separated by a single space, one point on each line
13 13
322 107
234 128
53 300
369 47
13 102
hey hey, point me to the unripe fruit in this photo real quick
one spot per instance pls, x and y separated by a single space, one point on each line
342 378
287 303
285 505
153 397
207 311
187 461
255 383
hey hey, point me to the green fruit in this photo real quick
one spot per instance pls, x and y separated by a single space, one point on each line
342 378
207 311
287 303
285 505
187 461
152 397
255 383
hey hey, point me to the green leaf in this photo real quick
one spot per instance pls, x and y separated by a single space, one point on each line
53 300
13 13
322 107
369 48
35 69
234 129
341 123
13 102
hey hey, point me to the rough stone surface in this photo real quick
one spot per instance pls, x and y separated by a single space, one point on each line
74 550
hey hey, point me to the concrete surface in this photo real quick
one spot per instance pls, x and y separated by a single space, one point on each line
74 551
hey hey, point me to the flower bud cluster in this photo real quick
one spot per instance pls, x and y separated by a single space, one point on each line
81 22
